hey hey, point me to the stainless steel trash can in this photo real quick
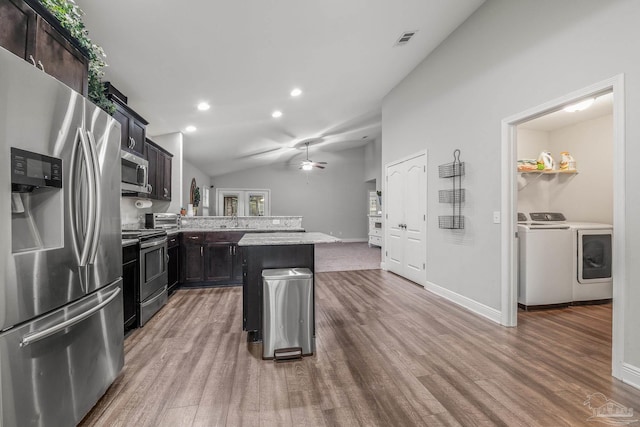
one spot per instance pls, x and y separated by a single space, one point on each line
287 313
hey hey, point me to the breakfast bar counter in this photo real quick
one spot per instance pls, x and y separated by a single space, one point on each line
270 251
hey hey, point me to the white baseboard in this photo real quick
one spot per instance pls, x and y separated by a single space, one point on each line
471 305
631 375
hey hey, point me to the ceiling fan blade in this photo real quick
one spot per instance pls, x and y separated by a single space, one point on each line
318 166
320 163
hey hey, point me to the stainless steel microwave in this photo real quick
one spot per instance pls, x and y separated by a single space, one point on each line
135 173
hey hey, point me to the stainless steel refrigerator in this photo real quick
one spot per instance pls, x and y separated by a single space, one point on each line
61 333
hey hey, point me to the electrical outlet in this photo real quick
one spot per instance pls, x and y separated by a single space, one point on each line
276 221
496 217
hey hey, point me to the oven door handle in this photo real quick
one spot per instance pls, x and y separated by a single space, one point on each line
152 244
39 335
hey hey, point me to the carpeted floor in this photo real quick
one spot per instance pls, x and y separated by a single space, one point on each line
346 257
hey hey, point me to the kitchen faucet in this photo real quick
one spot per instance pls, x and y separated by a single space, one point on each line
234 218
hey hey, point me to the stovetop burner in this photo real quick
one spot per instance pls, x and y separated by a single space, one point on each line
143 234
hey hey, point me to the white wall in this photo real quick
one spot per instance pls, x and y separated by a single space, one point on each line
332 201
508 57
203 181
587 196
533 190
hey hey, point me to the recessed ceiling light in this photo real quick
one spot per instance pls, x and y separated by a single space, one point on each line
203 106
190 128
296 92
276 114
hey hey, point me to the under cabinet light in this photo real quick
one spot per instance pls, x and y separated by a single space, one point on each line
579 106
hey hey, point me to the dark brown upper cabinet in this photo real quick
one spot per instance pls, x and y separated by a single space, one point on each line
30 31
159 170
133 128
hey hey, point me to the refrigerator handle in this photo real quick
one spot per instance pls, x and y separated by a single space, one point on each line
39 335
87 155
97 218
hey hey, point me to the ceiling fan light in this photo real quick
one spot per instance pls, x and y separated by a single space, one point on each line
307 166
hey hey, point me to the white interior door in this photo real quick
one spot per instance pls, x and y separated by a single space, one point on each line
405 225
415 215
394 219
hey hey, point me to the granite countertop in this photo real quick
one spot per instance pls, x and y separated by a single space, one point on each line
174 231
246 230
274 239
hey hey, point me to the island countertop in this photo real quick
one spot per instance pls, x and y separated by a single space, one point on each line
278 239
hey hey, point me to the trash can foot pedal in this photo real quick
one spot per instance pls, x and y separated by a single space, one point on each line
283 354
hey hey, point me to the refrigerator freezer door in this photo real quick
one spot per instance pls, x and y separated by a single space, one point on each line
55 368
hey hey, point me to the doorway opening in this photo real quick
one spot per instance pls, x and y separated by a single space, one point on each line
554 191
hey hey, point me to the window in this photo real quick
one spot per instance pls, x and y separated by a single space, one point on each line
243 202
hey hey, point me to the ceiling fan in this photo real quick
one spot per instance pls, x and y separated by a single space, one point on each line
307 164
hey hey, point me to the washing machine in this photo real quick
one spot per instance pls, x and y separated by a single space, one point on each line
592 262
545 263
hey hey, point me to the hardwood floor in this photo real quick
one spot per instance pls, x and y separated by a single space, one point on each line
388 353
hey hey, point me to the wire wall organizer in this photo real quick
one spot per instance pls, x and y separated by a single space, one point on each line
455 196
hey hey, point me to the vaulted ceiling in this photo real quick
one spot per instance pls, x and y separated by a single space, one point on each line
245 57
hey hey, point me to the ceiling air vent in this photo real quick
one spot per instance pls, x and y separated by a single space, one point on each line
405 37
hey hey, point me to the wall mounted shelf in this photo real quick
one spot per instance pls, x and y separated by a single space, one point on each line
535 175
455 196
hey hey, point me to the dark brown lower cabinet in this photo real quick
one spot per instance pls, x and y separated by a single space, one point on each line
210 258
173 267
258 258
130 279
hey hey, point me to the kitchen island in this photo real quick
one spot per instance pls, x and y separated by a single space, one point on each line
266 251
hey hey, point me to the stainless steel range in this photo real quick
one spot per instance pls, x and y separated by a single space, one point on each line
153 258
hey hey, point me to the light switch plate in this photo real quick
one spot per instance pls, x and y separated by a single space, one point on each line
496 217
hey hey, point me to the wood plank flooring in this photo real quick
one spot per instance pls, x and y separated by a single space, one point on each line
389 353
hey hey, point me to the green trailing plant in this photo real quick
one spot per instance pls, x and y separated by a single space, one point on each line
70 17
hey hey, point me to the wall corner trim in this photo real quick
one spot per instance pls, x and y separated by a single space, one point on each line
471 305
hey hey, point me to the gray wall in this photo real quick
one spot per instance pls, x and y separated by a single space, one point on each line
508 57
372 165
190 171
332 201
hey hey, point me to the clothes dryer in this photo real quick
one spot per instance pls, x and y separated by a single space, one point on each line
592 262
